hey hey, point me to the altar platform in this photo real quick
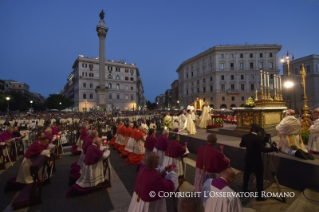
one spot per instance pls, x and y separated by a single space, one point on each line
291 171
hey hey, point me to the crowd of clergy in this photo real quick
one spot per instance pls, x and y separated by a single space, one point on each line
160 160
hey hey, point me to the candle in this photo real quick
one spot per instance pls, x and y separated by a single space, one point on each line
221 147
186 143
268 79
261 78
265 82
275 85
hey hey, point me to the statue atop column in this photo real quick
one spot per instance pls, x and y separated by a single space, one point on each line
102 15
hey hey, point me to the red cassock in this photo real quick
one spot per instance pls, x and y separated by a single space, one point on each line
127 135
122 133
86 143
134 158
93 155
50 136
175 150
5 136
55 131
150 142
148 180
215 161
133 133
161 143
83 133
33 150
118 132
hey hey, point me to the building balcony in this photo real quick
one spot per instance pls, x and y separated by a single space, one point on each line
233 91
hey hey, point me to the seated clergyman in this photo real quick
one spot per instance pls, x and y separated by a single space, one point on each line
92 169
35 149
290 139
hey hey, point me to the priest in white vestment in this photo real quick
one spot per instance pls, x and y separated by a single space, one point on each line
144 125
191 109
190 125
150 186
220 204
175 121
205 117
313 142
290 139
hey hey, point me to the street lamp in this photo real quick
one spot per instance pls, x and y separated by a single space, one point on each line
177 104
289 83
31 103
8 99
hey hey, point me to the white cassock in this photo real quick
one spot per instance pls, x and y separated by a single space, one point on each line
205 118
130 145
220 204
191 108
93 174
154 206
313 142
24 175
190 125
289 132
175 121
182 122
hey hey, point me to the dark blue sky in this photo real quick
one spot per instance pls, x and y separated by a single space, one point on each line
41 39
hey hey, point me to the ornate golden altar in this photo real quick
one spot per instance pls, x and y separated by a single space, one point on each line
268 111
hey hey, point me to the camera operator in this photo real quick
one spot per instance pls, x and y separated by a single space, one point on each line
253 160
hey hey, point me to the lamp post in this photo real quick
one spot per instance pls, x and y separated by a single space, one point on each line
31 104
177 104
8 99
289 83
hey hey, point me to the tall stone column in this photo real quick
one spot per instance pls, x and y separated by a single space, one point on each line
101 89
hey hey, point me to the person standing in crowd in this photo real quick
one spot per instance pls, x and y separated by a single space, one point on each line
210 162
206 117
253 160
191 110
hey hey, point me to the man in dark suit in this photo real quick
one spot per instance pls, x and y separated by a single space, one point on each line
253 160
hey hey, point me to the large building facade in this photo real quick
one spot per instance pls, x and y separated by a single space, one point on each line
226 75
124 83
20 87
294 95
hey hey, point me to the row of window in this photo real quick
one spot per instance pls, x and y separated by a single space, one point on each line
110 96
110 86
241 55
84 74
109 68
118 97
118 86
223 88
232 67
232 77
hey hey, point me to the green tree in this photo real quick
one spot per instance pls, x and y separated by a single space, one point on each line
54 100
